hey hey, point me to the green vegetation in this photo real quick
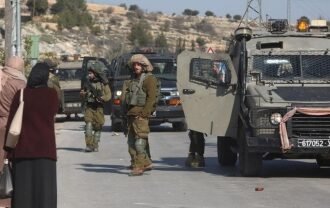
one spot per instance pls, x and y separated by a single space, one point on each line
160 41
72 13
37 7
201 42
209 13
237 17
189 12
140 35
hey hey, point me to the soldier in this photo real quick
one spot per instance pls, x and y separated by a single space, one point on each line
53 80
96 92
140 98
196 150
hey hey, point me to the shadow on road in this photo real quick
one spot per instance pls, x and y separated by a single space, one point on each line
160 128
101 168
71 149
271 169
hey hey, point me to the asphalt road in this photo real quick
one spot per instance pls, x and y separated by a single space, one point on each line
100 180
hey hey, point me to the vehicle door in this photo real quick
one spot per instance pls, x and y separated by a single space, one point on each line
207 87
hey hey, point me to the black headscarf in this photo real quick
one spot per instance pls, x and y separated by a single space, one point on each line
38 76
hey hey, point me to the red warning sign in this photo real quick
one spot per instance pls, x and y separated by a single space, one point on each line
210 50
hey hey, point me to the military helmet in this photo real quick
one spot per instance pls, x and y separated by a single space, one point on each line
141 59
96 68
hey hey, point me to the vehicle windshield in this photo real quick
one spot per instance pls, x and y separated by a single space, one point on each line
292 67
69 74
163 68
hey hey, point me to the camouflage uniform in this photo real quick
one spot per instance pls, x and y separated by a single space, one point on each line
95 92
139 108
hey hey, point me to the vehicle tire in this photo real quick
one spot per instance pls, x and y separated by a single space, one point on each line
179 126
321 161
250 163
117 127
226 157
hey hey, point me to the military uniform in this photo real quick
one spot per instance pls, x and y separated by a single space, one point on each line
140 98
95 93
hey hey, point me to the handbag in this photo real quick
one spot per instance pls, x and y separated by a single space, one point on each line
6 183
16 125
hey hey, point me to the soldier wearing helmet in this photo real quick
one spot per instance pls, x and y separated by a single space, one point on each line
96 92
140 95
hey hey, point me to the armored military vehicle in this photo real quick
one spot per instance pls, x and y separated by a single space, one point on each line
169 107
69 74
268 98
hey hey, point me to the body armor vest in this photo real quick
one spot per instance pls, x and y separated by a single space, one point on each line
135 95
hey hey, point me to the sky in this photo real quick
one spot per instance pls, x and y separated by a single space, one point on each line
313 9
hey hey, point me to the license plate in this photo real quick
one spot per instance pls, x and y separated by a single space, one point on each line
313 143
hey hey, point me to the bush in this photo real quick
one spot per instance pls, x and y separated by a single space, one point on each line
237 17
37 7
140 35
205 27
189 12
209 13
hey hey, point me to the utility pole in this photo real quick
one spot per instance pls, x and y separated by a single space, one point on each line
12 28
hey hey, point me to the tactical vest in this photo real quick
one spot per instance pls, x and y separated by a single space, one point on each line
97 91
135 95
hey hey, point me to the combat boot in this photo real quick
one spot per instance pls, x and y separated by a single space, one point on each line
198 162
136 172
148 167
190 159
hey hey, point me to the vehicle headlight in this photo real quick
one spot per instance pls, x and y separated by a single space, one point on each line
174 93
275 118
118 93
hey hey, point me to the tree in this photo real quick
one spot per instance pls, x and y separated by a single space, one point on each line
72 13
189 12
209 13
180 45
140 35
237 17
193 45
201 42
37 7
133 7
228 16
160 41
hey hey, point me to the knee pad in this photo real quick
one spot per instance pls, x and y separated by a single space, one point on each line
97 135
89 129
140 145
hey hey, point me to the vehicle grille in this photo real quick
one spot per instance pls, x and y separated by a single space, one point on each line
71 95
309 126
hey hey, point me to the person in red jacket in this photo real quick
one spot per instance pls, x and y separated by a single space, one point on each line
34 157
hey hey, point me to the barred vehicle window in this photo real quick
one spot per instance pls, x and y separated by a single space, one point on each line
288 67
316 66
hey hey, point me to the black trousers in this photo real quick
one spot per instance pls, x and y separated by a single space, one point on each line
35 183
